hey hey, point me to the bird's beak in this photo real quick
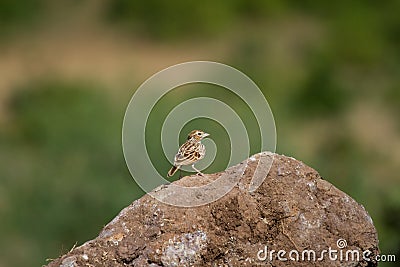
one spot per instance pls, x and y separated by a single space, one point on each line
206 134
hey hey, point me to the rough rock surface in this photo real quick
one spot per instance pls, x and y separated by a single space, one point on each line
294 210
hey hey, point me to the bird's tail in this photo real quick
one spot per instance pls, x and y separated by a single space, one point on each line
172 171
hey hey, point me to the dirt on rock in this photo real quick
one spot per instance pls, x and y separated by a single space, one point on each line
293 218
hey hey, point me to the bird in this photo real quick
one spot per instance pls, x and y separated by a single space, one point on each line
190 152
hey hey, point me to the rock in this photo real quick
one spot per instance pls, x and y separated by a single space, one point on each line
294 213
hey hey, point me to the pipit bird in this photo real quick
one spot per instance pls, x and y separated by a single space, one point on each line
190 152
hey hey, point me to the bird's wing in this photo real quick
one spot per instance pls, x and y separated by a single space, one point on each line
187 154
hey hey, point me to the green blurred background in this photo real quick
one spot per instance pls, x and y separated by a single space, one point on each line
330 71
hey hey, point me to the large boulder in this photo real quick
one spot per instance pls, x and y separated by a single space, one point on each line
293 218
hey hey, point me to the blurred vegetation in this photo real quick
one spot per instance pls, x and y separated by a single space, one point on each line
15 15
330 71
62 167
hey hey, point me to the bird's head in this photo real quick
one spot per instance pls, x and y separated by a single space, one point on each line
197 135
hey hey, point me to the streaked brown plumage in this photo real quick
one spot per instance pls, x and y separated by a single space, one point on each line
190 152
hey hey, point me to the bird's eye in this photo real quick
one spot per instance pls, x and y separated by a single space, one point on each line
199 133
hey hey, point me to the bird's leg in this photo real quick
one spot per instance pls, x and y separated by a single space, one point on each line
180 173
198 172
